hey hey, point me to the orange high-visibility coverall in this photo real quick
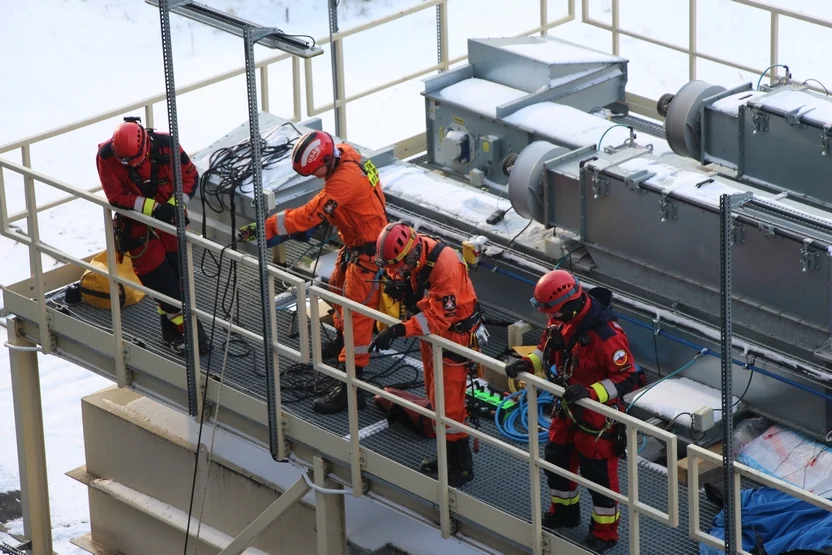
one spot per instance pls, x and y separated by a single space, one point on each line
355 208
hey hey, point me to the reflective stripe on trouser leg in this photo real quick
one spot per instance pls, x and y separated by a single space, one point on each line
455 377
565 497
564 456
604 472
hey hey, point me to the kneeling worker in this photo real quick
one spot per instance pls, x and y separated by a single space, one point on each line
136 174
433 283
592 358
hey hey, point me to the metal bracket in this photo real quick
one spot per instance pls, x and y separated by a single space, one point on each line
362 456
547 547
737 233
633 182
766 229
809 260
452 499
739 199
125 355
667 209
287 445
600 183
759 120
792 118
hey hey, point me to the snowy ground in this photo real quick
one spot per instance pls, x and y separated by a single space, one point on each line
73 58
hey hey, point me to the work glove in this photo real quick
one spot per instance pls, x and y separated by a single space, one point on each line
166 212
575 393
385 338
516 366
395 288
248 233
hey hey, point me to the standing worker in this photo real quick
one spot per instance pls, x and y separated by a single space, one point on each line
432 282
353 203
136 173
592 360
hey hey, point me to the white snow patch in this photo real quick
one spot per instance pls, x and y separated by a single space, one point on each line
675 396
167 513
731 104
556 52
809 106
479 95
568 125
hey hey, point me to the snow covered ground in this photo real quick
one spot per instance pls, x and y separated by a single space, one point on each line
66 59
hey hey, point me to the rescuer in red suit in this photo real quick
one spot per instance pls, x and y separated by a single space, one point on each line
592 358
135 170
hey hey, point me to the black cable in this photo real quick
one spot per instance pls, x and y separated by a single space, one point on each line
513 239
204 397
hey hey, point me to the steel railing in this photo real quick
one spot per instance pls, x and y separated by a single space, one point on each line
304 354
695 453
38 247
647 106
534 384
147 104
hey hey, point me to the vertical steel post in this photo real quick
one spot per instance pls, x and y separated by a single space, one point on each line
727 203
251 36
185 278
335 46
31 450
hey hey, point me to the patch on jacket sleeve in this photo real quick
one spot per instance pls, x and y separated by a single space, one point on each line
330 207
449 303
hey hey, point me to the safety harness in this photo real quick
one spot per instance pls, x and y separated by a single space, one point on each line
123 226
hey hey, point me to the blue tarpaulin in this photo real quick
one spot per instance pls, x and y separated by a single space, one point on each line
783 522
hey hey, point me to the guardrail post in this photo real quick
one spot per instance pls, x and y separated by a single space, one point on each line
441 442
122 378
442 54
4 207
632 490
534 469
616 35
692 47
35 261
352 404
544 16
338 94
148 116
296 104
264 88
774 45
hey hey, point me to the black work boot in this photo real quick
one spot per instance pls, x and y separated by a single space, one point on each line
335 400
566 516
203 340
460 464
596 544
332 348
171 336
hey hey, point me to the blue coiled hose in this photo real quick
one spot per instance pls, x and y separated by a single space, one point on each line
521 413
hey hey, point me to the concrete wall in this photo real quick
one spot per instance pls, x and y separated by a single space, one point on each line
140 455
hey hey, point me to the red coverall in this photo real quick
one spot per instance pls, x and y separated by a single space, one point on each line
600 359
355 208
449 298
154 253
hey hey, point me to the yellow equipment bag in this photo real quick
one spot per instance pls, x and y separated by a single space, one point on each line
387 305
95 288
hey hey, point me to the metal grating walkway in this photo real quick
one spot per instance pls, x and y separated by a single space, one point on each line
501 480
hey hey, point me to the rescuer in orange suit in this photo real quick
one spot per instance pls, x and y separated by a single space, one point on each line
353 202
432 282
135 170
592 360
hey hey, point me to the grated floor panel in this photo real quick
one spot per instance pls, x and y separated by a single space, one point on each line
501 479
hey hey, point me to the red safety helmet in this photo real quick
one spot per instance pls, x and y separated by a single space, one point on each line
131 145
394 243
554 290
312 151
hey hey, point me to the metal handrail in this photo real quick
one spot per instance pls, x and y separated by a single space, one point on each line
692 51
695 453
533 385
